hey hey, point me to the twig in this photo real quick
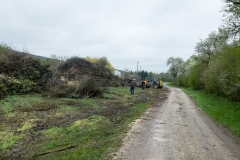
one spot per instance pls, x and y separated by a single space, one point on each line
52 151
89 95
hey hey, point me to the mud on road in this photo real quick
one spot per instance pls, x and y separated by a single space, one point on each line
177 129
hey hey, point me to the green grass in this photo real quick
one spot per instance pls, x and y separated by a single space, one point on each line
89 102
221 109
8 139
93 137
97 136
90 137
12 103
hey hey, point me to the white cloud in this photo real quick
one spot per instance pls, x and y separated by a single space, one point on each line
125 31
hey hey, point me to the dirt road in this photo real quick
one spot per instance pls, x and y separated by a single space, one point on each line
177 129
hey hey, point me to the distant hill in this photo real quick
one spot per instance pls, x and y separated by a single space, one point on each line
31 55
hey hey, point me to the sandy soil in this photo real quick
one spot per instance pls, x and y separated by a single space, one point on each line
177 129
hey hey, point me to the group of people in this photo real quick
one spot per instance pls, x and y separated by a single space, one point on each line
133 84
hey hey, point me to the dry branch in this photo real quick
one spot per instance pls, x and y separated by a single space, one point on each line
52 151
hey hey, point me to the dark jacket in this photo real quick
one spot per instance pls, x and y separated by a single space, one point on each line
132 84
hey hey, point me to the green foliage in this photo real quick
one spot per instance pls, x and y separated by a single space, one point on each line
10 85
182 80
3 90
115 84
24 86
209 47
143 74
103 61
195 77
20 73
223 74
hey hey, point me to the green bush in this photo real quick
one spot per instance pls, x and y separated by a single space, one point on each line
182 80
115 84
22 73
223 74
24 86
195 77
3 90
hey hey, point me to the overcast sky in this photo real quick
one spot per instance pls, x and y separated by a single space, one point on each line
125 31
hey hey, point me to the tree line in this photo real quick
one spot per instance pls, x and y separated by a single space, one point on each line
216 65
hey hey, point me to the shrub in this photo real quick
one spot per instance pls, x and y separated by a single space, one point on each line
195 77
223 74
19 66
182 80
3 90
115 84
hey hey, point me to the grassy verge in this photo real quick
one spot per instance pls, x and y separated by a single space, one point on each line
37 127
221 109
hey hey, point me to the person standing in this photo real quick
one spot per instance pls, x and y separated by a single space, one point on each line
145 83
132 86
142 83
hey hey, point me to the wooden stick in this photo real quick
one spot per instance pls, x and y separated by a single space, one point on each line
52 151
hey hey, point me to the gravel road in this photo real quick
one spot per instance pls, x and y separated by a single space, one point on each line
178 129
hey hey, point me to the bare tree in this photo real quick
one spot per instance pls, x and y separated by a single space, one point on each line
232 21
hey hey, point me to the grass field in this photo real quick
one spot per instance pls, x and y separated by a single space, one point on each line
36 127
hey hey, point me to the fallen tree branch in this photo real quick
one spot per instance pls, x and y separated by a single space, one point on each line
52 151
89 95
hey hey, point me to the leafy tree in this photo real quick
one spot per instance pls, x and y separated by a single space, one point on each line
195 76
223 74
176 66
166 77
145 75
207 48
150 74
